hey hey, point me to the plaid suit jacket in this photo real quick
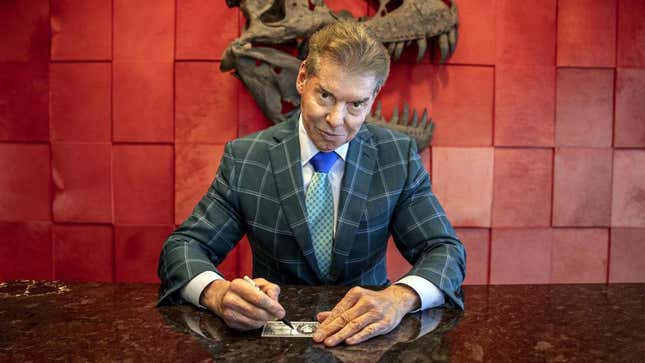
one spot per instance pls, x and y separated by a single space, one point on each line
258 190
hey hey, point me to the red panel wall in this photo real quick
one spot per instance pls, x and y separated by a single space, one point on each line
113 117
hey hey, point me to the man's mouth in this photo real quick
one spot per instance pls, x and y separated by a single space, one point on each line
329 134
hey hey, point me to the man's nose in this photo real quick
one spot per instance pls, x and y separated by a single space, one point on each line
336 115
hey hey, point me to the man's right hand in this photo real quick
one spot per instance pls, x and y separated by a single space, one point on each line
241 305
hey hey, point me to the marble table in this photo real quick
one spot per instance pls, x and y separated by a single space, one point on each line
104 322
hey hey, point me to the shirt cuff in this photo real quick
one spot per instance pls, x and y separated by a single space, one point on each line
193 289
429 294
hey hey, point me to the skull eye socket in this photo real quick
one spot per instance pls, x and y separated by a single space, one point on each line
275 13
390 6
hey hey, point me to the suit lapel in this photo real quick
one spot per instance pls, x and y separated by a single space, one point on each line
287 172
359 168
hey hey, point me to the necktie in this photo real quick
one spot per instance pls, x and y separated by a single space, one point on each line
320 209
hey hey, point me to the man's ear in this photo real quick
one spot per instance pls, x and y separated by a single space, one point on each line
302 77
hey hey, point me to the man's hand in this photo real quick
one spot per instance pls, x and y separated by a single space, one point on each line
241 305
363 314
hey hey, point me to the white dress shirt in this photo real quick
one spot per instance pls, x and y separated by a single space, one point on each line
429 294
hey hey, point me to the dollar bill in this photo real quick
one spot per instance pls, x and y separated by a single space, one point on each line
302 329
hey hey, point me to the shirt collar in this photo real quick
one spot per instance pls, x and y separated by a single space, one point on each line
308 149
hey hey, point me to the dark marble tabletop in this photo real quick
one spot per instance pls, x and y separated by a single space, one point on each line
101 322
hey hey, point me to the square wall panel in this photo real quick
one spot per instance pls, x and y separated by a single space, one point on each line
584 107
24 26
26 251
229 268
144 30
143 184
79 96
251 118
627 250
407 84
631 33
579 255
628 199
25 182
81 29
587 33
396 264
462 105
82 175
524 106
463 182
522 187
205 103
582 187
137 250
521 256
525 32
630 108
24 101
195 167
476 43
83 252
204 29
477 243
143 101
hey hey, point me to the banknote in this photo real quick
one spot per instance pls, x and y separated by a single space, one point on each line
302 329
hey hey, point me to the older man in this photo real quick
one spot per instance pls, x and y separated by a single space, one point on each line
318 197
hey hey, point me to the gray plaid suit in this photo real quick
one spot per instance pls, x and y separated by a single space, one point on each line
259 191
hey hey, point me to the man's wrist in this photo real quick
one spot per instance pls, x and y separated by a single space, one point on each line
409 299
210 296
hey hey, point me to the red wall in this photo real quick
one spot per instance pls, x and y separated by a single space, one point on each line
113 116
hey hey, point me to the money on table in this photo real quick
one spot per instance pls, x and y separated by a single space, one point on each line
302 329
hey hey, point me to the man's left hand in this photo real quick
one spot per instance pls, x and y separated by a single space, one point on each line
363 314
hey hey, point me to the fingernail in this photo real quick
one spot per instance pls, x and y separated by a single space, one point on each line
317 337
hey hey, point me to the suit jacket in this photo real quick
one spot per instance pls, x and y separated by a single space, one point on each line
258 190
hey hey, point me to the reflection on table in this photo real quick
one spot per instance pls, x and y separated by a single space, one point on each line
54 321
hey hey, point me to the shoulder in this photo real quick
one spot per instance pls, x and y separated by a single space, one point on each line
386 140
261 141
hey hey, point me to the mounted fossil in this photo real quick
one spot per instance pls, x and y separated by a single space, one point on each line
267 54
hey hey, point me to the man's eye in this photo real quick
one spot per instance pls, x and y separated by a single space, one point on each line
324 95
358 104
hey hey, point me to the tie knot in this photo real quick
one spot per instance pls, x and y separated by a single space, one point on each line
323 161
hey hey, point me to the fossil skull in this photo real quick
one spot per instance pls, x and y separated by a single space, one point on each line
268 53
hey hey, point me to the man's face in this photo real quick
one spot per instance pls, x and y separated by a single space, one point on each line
334 103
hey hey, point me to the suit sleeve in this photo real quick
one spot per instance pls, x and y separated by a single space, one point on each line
424 236
206 237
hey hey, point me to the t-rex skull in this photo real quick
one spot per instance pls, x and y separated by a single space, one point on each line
268 53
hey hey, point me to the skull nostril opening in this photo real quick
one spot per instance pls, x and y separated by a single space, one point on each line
312 6
393 5
277 70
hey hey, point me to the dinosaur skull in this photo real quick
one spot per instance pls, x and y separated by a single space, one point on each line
268 53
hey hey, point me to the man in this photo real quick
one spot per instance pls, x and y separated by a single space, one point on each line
318 198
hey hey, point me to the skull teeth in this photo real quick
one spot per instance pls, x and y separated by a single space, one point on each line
444 47
422 43
402 118
398 50
447 44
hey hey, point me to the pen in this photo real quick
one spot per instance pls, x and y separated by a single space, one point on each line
284 320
